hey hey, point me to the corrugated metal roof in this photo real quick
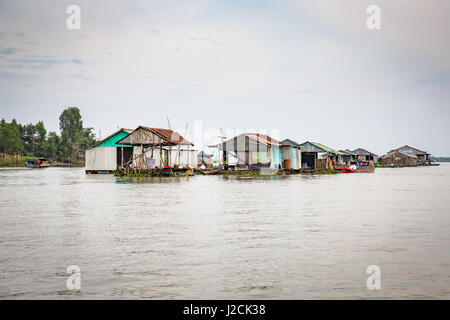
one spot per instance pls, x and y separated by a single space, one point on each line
390 153
290 142
168 135
363 152
416 151
258 138
325 148
347 152
262 138
111 140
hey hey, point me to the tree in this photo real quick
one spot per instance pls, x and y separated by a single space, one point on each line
52 147
71 123
40 134
10 141
28 136
71 127
88 138
74 138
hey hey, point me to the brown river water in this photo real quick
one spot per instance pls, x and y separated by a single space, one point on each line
217 237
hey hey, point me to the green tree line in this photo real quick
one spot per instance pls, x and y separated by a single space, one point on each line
33 139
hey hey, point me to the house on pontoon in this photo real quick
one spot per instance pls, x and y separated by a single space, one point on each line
205 159
107 155
291 154
364 155
159 148
316 156
348 156
423 157
397 158
249 151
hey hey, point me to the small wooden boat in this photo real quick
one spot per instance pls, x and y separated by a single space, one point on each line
363 166
37 163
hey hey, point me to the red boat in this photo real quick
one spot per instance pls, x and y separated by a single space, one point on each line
346 169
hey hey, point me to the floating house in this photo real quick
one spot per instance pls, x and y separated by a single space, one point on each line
364 155
108 155
348 156
206 159
397 158
291 154
251 151
159 148
316 156
423 157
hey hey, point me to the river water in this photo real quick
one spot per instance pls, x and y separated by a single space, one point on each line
217 237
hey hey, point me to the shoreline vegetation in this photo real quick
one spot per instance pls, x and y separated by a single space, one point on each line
33 141
19 161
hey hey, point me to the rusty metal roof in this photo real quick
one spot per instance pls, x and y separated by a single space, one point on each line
168 135
259 137
363 152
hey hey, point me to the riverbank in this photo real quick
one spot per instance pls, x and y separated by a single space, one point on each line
17 161
13 161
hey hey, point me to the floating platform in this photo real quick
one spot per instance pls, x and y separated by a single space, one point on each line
155 172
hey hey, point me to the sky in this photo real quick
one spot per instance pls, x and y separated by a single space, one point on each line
306 70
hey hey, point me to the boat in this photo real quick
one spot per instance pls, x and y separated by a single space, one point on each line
345 169
431 164
37 163
362 166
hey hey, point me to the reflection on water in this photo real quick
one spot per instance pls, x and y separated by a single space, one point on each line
293 237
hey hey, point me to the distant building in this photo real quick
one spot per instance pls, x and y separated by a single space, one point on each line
363 154
156 147
348 156
290 154
107 155
398 159
317 156
206 159
405 156
250 151
423 157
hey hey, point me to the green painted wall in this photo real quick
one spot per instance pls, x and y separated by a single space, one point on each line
112 142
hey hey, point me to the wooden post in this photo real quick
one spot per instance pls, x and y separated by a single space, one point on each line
160 157
122 155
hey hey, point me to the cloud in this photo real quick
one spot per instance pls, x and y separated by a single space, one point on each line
8 51
44 61
155 32
209 40
18 76
31 43
84 77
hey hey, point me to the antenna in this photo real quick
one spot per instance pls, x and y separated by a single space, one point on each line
185 130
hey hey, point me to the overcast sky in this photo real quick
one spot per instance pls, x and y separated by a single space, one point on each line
309 69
